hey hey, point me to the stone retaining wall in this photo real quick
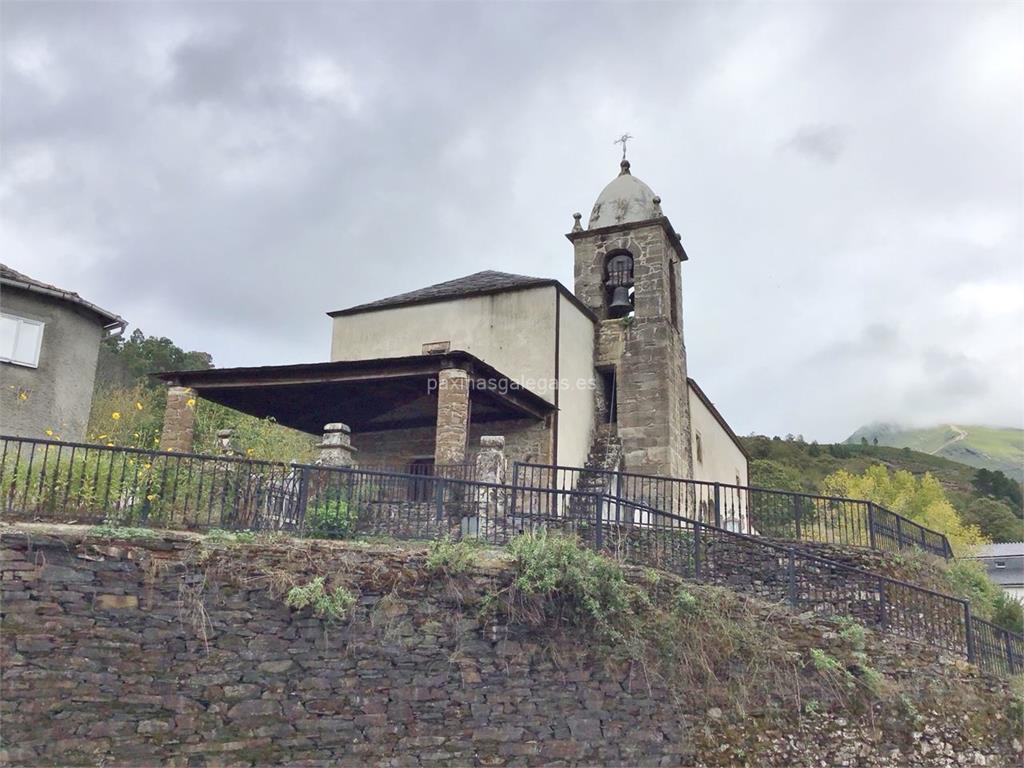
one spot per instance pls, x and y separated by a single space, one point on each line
160 652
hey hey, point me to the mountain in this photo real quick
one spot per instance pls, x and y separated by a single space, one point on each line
992 448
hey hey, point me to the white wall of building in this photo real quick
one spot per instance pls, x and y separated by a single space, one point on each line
513 331
576 397
716 457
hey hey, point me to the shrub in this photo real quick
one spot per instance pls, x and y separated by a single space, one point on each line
684 602
449 557
331 606
568 584
331 519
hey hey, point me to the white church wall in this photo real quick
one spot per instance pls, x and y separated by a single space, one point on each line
513 331
576 398
717 458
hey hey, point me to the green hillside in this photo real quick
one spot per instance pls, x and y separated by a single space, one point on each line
992 448
994 504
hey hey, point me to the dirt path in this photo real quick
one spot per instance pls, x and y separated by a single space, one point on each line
960 435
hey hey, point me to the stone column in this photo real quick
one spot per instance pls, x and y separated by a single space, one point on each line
336 448
452 416
491 501
490 462
226 442
179 420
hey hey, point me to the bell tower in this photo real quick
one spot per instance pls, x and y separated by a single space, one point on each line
628 273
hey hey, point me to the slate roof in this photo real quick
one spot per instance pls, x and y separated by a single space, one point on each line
477 284
16 279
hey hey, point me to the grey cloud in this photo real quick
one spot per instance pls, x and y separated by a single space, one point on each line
198 191
824 143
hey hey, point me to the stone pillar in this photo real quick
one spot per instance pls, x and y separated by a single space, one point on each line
490 462
336 448
490 468
179 420
226 442
452 416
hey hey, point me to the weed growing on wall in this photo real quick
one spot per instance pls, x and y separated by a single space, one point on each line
331 606
451 558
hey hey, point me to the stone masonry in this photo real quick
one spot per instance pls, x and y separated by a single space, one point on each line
452 431
151 652
179 420
647 351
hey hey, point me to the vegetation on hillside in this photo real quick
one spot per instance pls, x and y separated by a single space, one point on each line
993 448
986 499
128 404
918 498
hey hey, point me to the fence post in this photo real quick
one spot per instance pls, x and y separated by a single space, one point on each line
718 506
969 633
871 525
303 499
899 532
883 608
618 498
796 516
696 550
791 576
599 530
1008 642
515 482
439 499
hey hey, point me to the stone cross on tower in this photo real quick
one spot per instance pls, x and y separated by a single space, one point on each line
622 140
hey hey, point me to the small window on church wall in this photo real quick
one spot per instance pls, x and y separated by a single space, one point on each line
700 448
673 286
619 285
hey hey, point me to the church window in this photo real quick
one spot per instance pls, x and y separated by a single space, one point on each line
673 286
619 284
700 448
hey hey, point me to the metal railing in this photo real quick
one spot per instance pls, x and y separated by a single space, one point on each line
76 482
754 511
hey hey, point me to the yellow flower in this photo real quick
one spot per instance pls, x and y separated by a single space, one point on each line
116 415
191 402
249 451
49 433
138 406
110 445
156 441
147 465
101 437
23 395
151 497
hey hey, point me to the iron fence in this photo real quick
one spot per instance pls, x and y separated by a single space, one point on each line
743 509
77 482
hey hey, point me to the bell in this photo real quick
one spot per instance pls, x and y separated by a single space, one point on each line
620 305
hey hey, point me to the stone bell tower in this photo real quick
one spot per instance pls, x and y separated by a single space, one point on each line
627 273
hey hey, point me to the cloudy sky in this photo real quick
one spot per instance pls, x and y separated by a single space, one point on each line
847 177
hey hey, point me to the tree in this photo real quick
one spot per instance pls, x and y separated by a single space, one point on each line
996 484
874 441
863 441
127 362
921 499
814 449
994 519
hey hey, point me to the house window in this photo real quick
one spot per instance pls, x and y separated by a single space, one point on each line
738 479
700 449
1000 563
20 340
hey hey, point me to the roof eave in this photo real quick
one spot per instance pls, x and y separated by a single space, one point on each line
111 321
718 416
547 283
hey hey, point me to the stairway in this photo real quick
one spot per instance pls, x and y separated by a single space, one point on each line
605 456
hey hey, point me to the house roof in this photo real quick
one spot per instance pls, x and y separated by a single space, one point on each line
1007 549
477 284
16 279
718 416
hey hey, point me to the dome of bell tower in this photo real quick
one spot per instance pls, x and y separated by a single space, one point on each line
626 199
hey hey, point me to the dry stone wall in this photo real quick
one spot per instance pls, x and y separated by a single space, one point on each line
165 651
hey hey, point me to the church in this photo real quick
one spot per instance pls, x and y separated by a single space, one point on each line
595 377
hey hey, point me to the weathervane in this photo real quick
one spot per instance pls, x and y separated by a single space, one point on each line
622 140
